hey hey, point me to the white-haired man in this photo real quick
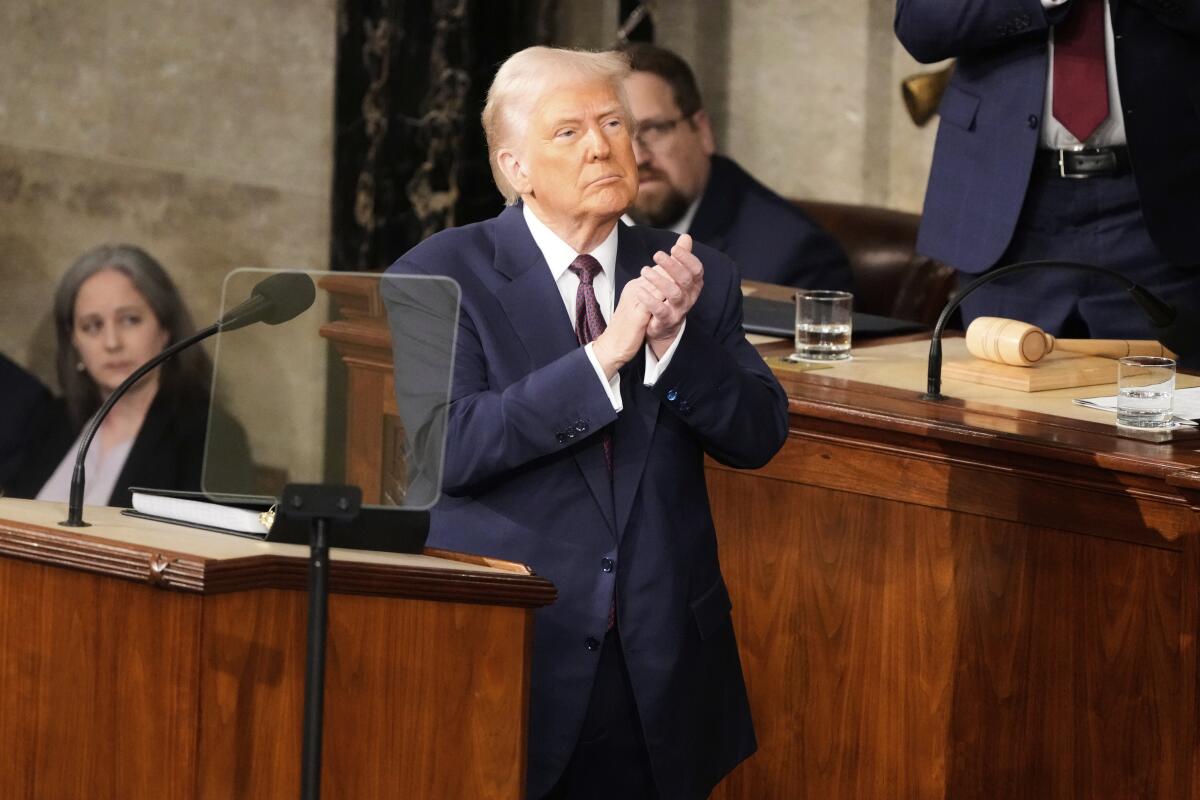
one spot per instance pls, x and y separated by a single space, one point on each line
595 366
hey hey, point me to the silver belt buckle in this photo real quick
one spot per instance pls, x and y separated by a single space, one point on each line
1094 161
1062 163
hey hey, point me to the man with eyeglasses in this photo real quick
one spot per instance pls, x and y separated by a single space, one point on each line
685 187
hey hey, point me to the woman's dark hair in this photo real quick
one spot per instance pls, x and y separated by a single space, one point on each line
184 378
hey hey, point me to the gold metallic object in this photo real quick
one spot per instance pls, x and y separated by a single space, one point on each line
923 92
267 518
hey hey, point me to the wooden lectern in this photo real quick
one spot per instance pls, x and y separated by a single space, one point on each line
990 597
142 660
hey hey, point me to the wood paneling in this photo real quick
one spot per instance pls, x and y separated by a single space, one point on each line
415 696
97 697
913 632
113 687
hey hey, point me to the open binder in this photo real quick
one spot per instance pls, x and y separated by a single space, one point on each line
396 530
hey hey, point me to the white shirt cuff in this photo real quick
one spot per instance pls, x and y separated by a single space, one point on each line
1052 3
655 367
611 387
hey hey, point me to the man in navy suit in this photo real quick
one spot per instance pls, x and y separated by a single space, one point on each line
1071 130
686 187
596 365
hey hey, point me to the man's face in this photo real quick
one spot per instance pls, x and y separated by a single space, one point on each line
576 161
672 151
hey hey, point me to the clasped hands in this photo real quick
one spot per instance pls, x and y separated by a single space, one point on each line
652 307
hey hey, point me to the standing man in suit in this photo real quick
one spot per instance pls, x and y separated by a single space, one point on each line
684 186
595 366
1071 130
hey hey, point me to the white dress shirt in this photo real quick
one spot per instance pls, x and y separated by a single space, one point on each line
101 466
559 256
1112 130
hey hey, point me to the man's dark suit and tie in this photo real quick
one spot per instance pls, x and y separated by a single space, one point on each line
686 187
596 364
1036 81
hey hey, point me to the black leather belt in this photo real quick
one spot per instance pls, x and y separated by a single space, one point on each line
1086 162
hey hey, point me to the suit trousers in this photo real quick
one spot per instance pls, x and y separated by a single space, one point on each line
1097 221
610 759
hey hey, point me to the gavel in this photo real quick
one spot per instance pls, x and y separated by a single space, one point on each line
1021 344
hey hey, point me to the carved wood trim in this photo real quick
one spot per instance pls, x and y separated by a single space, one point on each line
182 572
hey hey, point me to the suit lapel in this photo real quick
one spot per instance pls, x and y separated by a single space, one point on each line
634 428
530 299
534 308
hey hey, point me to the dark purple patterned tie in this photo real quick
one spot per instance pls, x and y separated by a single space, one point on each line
589 323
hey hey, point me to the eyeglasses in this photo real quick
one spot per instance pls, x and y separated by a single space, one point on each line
654 132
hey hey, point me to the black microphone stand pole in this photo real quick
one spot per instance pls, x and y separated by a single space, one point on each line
321 505
1161 314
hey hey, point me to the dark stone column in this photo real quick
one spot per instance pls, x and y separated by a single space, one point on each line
409 153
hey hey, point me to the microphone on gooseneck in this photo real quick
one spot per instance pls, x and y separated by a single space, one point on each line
1182 335
275 299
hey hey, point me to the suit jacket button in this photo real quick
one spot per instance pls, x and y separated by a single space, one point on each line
591 644
672 395
606 565
1033 121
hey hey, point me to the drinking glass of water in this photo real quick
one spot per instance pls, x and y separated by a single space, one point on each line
823 325
1145 389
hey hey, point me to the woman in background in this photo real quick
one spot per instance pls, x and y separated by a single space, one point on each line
114 309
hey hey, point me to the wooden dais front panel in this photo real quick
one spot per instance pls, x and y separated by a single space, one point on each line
919 622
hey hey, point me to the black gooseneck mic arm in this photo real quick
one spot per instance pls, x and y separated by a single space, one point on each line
75 509
1161 314
277 298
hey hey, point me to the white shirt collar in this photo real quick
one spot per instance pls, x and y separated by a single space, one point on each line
559 254
685 222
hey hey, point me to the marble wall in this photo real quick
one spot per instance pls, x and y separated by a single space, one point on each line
200 131
804 94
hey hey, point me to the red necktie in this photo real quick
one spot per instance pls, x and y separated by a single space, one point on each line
1080 72
589 322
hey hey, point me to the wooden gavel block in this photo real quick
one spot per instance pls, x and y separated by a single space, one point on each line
1021 344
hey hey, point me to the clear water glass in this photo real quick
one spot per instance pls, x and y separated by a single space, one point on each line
823 325
1145 392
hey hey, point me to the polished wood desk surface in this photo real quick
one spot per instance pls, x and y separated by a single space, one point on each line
877 390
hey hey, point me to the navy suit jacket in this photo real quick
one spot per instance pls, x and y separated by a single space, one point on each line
525 479
767 236
991 117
